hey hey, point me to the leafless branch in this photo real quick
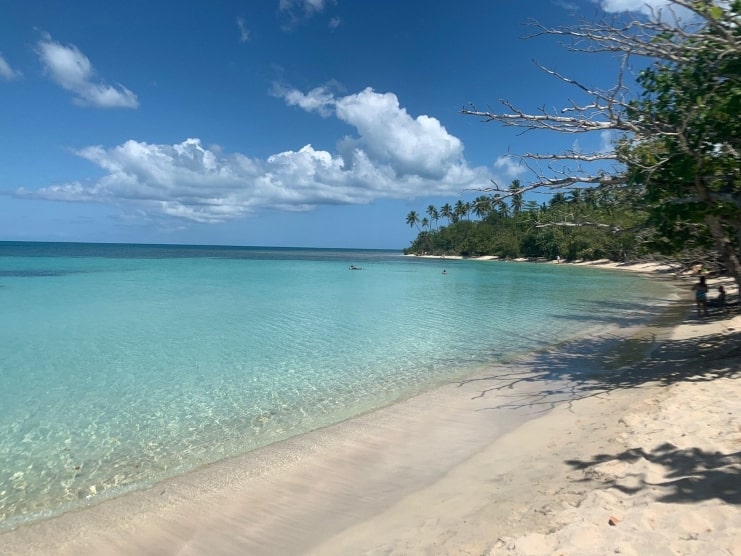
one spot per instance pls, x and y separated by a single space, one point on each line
664 35
580 225
571 155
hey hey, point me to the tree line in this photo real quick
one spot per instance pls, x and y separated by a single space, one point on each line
589 223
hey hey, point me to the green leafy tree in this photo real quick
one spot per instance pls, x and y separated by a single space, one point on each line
690 168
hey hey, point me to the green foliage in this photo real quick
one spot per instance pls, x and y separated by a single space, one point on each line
593 224
688 160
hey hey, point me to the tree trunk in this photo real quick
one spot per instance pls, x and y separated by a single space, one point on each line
725 247
723 241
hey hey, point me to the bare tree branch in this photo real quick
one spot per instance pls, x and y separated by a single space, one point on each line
580 225
662 35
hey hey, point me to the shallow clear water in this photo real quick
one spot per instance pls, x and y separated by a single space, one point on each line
121 365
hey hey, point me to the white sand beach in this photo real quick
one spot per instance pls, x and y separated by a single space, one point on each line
642 461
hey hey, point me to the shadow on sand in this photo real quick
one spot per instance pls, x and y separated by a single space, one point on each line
593 366
692 474
596 366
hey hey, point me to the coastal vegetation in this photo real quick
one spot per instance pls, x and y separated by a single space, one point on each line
593 223
671 181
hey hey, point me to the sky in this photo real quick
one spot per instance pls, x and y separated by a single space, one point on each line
294 123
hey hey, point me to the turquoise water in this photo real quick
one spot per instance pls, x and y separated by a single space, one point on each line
122 365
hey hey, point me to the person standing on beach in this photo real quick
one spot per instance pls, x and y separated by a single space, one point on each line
719 301
701 296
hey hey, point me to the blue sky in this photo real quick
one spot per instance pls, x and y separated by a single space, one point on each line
316 123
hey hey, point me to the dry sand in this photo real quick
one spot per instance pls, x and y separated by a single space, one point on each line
642 461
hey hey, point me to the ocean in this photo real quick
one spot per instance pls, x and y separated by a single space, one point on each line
122 365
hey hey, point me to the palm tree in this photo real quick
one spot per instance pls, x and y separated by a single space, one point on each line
516 197
482 206
500 205
446 211
433 214
558 199
425 223
460 209
413 219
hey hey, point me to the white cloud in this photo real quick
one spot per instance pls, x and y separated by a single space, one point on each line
307 6
569 6
296 12
643 6
411 145
387 133
319 99
6 72
510 166
393 156
72 70
244 32
607 141
660 10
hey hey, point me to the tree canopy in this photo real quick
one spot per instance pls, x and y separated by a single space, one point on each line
586 225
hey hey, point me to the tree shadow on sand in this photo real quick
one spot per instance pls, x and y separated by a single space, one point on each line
598 365
593 366
693 475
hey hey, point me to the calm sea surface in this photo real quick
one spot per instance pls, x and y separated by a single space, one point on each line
121 365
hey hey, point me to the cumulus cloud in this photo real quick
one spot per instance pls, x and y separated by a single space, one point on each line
6 72
72 70
392 156
387 133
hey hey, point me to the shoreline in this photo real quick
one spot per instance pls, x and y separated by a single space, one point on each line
448 468
652 267
651 466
